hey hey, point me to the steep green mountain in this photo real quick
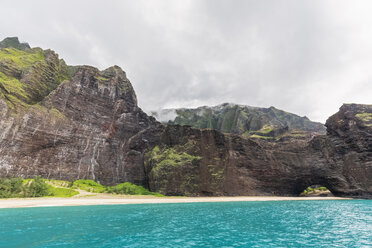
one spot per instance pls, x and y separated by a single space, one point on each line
27 74
243 120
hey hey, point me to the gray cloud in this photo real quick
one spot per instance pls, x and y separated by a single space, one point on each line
306 57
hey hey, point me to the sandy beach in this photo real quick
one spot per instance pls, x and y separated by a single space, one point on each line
104 199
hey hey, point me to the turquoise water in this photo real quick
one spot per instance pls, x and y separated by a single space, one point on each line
232 224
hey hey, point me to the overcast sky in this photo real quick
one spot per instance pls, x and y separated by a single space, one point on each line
305 57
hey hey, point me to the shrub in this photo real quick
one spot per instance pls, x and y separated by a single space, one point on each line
10 187
131 189
37 188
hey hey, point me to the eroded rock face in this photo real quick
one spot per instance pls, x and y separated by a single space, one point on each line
232 165
89 127
348 149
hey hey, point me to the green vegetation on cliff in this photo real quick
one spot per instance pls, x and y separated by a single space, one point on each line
170 158
256 136
366 118
164 163
28 75
13 87
21 59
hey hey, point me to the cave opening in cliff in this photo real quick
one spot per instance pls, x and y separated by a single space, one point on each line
316 190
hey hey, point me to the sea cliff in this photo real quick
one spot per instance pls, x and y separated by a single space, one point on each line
77 122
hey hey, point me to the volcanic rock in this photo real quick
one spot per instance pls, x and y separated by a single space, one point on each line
77 122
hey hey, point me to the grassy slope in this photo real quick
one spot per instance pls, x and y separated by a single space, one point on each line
26 77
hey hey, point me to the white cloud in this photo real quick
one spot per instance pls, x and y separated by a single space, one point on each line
306 57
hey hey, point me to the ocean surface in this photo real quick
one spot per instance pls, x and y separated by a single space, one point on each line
346 223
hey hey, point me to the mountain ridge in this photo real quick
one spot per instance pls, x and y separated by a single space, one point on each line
248 121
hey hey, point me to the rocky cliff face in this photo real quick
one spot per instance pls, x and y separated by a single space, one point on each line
69 123
87 125
206 162
348 149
